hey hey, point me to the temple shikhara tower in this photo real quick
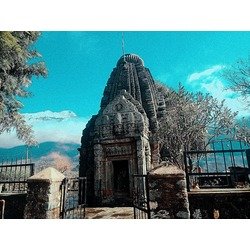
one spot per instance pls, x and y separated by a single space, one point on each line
121 140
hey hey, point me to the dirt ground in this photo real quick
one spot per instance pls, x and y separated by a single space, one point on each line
110 213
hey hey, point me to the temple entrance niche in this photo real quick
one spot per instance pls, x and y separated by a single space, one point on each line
121 177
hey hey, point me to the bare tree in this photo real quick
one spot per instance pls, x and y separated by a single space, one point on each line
238 77
60 162
192 120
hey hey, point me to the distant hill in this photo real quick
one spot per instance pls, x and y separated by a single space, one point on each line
43 149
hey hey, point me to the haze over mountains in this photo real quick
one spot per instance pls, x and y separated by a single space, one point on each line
43 149
64 127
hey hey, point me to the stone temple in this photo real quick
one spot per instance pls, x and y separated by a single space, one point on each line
121 140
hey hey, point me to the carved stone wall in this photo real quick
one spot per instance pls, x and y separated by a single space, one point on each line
131 150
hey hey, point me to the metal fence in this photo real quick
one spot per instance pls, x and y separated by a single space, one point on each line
14 175
73 198
223 164
141 197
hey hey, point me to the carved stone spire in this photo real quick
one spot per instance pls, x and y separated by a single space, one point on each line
131 75
121 139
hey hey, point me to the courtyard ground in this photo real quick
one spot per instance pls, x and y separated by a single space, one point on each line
109 213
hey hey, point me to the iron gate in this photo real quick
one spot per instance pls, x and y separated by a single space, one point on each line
141 197
225 164
14 175
73 198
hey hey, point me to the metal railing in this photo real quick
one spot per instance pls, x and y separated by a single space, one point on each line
73 198
14 175
141 196
225 164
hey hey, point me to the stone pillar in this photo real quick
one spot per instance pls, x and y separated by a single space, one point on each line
155 153
141 156
98 168
44 194
168 194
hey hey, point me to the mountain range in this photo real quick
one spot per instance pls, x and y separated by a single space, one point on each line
43 149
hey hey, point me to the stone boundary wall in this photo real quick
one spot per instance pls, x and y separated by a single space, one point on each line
168 194
44 194
220 205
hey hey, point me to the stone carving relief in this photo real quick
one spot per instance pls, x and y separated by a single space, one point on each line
118 150
121 117
106 131
118 107
129 128
118 129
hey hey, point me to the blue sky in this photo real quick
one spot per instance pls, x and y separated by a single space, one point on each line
79 65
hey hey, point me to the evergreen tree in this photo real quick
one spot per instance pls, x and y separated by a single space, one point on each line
18 63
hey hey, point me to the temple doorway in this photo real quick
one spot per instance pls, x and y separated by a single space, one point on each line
121 177
121 181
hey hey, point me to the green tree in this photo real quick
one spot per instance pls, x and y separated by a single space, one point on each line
192 120
238 77
18 63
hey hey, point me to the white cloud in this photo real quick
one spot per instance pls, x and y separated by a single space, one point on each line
217 89
208 81
205 73
9 140
63 127
49 115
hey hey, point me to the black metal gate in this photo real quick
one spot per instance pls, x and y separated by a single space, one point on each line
73 198
141 197
14 175
224 164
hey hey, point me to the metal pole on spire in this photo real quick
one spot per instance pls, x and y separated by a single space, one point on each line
123 50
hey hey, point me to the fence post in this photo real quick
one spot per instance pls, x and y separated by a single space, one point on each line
168 195
2 207
186 170
248 157
44 195
147 195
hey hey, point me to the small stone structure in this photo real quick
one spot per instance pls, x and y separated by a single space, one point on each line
121 140
168 195
43 196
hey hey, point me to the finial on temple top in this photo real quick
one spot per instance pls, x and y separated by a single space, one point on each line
123 49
